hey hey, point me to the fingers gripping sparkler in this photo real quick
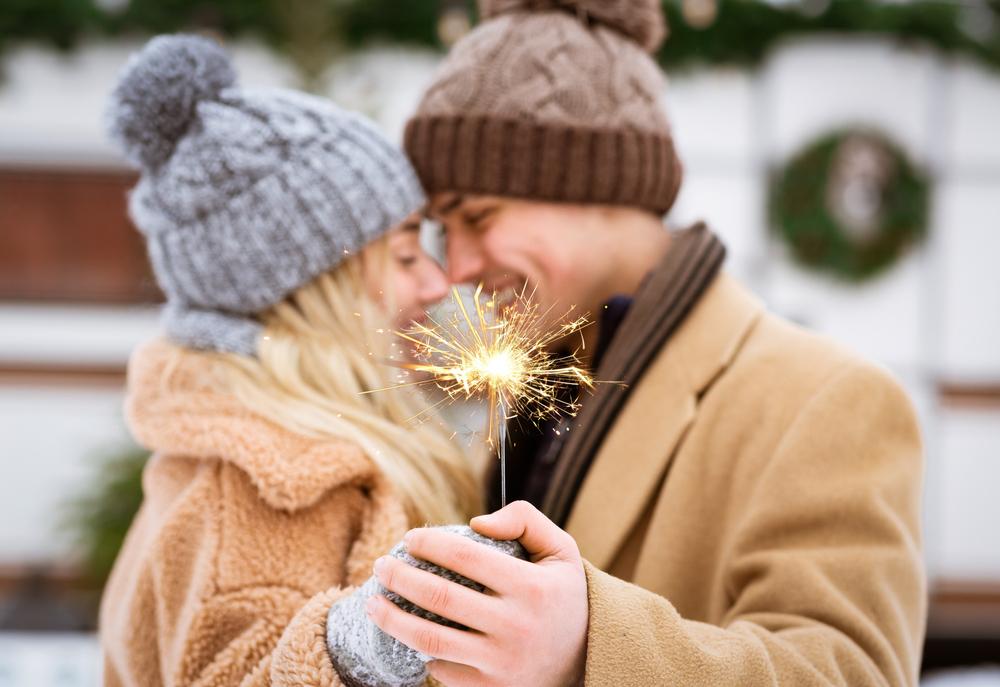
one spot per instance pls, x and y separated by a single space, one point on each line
500 354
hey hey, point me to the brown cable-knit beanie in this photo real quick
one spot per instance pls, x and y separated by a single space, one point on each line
554 100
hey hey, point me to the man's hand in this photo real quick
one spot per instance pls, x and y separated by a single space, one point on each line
529 629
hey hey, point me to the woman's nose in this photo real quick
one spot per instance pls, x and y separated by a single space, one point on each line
433 284
464 262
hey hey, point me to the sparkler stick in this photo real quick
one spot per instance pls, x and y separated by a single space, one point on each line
502 354
502 450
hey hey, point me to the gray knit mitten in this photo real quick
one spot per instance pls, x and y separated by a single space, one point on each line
363 655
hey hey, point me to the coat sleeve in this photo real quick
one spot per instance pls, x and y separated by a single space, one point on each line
824 571
274 637
216 589
269 631
254 633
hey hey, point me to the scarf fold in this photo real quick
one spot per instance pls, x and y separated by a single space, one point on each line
660 306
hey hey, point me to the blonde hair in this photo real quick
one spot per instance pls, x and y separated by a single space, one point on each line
322 349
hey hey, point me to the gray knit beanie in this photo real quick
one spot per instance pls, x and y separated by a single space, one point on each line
363 654
245 195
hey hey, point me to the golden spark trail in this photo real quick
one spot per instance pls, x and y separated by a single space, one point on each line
500 355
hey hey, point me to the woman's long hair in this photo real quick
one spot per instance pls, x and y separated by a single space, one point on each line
323 348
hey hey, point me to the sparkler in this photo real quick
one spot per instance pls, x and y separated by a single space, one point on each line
500 353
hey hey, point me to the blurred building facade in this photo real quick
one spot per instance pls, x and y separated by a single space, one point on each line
76 296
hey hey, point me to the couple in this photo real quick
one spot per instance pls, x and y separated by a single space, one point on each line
743 511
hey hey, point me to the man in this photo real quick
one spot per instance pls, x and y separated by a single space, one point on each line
744 509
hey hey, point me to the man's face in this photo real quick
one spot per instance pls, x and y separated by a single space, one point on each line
550 251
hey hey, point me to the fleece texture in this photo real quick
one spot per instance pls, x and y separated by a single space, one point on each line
246 536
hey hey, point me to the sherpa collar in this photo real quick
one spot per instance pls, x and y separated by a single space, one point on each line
172 409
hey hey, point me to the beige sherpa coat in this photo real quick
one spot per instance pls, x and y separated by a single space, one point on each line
246 536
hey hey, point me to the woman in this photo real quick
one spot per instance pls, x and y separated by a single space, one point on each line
277 227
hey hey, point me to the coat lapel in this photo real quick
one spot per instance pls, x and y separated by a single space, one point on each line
636 452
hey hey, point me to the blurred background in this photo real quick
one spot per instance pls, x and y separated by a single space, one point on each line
848 152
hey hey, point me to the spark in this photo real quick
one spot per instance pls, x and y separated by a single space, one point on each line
499 353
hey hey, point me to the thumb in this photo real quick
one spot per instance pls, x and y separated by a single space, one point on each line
540 537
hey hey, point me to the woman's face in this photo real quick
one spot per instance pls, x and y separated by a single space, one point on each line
411 280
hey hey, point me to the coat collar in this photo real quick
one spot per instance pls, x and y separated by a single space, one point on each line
637 451
174 408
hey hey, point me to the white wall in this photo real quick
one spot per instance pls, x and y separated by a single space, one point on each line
51 440
935 317
52 105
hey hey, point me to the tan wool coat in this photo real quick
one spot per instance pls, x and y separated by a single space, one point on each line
246 536
752 517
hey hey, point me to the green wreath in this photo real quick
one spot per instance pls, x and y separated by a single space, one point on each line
850 204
